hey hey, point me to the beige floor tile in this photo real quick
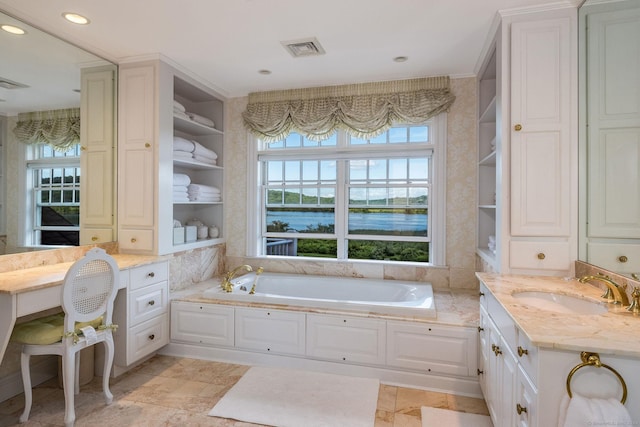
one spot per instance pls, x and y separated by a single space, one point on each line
404 420
384 418
127 413
409 401
387 397
467 404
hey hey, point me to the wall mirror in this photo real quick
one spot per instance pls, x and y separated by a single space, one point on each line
610 135
42 75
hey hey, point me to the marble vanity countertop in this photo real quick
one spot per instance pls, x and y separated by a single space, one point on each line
455 307
614 332
30 279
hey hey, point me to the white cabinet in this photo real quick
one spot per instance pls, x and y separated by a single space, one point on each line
141 312
202 323
273 331
534 170
97 156
147 126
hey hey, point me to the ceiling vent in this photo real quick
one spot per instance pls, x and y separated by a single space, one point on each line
10 84
304 47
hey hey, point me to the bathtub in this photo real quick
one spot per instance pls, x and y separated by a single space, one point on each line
385 297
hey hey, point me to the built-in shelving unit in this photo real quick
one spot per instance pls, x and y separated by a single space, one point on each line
487 159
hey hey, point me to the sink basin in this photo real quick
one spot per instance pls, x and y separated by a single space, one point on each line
559 303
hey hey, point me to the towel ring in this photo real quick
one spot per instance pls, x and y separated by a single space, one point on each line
593 359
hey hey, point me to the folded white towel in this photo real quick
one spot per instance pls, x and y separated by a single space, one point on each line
202 120
201 198
202 188
202 151
182 155
580 411
179 199
178 106
181 179
182 144
206 160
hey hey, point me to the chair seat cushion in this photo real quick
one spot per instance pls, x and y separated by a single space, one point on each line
46 330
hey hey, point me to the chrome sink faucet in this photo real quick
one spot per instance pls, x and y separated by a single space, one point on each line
226 284
618 293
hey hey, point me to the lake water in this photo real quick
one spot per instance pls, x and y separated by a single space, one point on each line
357 221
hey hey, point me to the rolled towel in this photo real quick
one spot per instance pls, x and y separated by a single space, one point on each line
181 179
201 120
202 151
178 106
182 144
587 411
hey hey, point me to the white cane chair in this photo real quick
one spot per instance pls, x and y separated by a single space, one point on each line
88 293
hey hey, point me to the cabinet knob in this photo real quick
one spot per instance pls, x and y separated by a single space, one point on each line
481 294
480 329
623 258
522 351
497 351
520 409
480 372
133 240
82 148
147 145
94 238
517 127
541 255
152 302
152 337
152 274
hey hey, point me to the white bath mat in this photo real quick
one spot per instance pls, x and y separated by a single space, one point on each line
288 397
436 417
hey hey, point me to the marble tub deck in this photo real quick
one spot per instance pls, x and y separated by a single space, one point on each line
171 391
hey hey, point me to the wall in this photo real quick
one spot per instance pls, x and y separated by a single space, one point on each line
461 199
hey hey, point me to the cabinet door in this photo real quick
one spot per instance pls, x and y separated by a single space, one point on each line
541 127
484 331
136 142
202 323
508 370
432 348
272 331
346 339
525 409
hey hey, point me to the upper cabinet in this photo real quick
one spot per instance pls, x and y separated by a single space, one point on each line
535 180
170 160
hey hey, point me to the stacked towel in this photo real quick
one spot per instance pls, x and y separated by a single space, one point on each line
180 194
181 179
585 411
178 107
203 193
192 150
180 111
204 155
201 120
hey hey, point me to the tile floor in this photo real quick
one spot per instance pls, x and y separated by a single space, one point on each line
170 391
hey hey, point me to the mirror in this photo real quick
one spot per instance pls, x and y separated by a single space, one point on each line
40 72
610 135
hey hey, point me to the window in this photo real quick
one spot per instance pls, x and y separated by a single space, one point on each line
53 196
351 198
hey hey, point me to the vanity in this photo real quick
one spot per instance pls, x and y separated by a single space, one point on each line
530 343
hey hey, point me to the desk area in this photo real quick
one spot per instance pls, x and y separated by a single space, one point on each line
32 290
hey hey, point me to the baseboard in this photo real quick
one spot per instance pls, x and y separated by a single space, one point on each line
440 383
41 371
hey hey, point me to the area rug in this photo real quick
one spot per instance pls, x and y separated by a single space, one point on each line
294 398
436 417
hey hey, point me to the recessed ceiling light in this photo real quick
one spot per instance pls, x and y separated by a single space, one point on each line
401 58
75 18
264 72
13 29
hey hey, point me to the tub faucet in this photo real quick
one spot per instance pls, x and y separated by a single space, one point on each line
255 281
618 292
226 284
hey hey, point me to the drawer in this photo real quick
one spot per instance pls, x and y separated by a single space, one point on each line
483 292
147 337
619 257
92 236
136 240
541 255
149 274
503 321
527 355
148 302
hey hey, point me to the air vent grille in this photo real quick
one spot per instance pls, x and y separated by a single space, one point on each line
10 84
303 47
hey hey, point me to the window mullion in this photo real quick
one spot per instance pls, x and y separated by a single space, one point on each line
341 207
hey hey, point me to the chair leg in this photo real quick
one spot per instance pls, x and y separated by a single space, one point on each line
106 371
76 383
26 381
68 383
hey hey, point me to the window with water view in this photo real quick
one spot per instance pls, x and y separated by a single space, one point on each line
348 198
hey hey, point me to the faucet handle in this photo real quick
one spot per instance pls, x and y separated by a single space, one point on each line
635 303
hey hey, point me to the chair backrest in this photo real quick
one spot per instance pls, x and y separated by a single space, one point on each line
89 289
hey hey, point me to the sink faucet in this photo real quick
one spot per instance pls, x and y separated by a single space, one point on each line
226 284
619 293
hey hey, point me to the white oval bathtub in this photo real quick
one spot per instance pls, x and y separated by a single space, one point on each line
392 297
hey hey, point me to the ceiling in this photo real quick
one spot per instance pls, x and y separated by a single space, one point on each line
227 42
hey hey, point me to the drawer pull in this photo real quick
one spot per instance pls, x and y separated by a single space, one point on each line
481 294
152 337
623 258
541 255
133 240
480 329
152 274
497 351
520 409
480 372
94 238
517 127
147 145
152 302
522 351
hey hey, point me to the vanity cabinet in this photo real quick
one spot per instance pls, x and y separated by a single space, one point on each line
147 126
533 172
141 312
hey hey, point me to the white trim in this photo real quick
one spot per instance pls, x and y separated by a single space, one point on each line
438 197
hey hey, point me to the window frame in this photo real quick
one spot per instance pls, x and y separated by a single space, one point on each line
437 194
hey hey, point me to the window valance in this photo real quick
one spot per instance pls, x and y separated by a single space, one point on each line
364 110
58 128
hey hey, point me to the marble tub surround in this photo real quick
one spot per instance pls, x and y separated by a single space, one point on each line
586 269
614 332
191 267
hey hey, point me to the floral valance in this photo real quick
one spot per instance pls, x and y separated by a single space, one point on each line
364 110
58 128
